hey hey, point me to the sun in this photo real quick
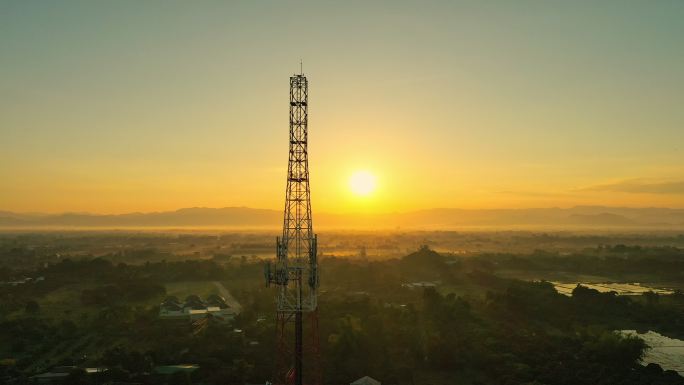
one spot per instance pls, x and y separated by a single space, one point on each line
362 183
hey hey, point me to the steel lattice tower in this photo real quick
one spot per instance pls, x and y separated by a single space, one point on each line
295 272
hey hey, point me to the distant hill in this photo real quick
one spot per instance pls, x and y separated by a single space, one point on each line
197 216
440 218
423 257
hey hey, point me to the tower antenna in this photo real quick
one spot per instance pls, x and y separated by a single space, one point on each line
295 269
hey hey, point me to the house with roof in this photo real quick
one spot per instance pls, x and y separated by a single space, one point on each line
366 380
194 308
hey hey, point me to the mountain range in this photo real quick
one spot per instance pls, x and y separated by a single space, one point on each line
438 218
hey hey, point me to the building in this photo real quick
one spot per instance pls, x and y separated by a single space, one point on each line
417 285
162 374
58 374
195 308
173 369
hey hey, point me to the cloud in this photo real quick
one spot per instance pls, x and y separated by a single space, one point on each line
641 186
531 193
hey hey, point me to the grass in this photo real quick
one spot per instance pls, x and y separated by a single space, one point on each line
65 301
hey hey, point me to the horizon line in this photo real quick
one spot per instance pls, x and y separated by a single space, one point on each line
47 213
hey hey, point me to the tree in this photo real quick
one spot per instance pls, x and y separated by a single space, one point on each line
32 307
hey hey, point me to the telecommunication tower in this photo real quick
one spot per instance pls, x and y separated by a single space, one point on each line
295 270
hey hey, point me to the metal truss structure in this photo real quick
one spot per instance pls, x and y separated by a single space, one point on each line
295 271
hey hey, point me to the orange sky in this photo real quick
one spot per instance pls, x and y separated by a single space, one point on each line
118 107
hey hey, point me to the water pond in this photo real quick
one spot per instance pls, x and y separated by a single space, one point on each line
664 351
620 288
